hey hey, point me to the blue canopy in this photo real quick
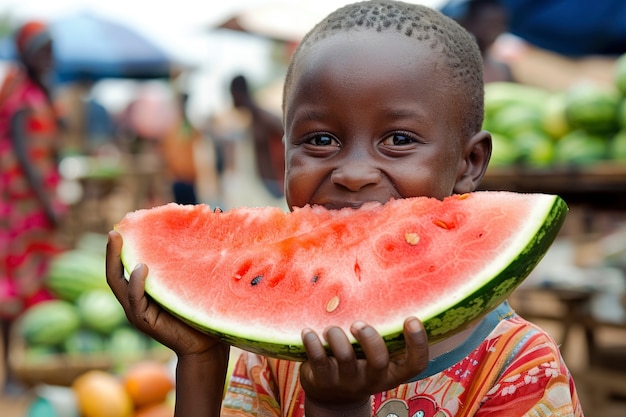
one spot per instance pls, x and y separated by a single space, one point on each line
89 47
569 27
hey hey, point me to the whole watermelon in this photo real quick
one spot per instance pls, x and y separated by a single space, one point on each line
49 323
84 341
536 148
554 119
620 74
504 151
621 113
592 108
517 119
580 148
499 95
617 146
76 271
100 311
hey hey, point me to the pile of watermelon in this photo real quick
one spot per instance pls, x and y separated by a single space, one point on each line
85 319
583 125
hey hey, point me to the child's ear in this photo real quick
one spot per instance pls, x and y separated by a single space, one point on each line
476 157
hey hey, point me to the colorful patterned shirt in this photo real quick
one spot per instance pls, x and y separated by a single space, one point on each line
507 367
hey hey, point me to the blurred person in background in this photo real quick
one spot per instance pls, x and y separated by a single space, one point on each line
267 133
141 129
249 150
486 20
89 128
555 44
30 210
572 28
178 146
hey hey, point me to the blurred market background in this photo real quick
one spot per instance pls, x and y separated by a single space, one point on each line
144 92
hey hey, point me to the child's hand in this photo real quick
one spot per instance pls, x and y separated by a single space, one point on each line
343 382
146 315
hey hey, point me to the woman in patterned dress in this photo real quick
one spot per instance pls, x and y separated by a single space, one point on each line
29 208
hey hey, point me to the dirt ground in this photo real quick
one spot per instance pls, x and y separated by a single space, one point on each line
14 406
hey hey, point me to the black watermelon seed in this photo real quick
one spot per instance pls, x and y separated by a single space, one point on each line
315 278
256 280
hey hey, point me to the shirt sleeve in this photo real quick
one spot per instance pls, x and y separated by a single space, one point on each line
535 382
251 390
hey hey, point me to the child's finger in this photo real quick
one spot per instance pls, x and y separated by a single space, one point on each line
342 350
130 293
136 293
416 357
114 268
373 345
317 357
313 345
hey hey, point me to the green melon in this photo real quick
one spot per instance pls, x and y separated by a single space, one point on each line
620 74
554 116
517 119
592 108
76 271
99 311
49 323
500 95
504 151
257 276
536 148
621 113
617 146
579 148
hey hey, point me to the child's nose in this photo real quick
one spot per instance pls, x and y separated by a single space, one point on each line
356 175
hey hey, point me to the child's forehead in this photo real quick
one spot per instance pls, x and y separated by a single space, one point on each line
390 75
369 40
363 53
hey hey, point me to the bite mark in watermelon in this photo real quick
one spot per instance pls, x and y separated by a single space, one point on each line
257 276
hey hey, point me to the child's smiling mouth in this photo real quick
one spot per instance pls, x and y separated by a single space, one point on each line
338 205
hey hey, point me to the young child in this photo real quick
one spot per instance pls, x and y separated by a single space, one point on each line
383 100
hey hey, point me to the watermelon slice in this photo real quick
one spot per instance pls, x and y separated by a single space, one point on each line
257 276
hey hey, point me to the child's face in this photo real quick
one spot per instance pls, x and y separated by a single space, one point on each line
360 128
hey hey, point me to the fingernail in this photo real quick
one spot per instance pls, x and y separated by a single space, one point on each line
413 325
358 325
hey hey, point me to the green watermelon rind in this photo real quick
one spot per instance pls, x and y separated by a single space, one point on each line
441 321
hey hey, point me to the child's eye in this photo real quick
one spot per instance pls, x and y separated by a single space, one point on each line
323 140
399 139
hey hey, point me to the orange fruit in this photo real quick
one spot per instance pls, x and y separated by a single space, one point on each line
148 382
100 394
155 410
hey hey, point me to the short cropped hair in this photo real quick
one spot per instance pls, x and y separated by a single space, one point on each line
445 36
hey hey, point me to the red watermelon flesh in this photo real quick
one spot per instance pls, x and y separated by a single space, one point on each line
257 276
